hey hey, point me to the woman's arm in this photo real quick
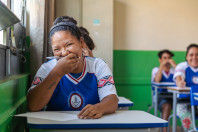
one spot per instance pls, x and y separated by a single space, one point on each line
180 82
108 105
40 95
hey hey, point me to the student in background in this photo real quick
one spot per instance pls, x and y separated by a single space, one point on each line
164 73
89 44
186 74
73 82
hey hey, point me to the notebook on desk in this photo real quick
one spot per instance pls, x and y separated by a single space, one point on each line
179 88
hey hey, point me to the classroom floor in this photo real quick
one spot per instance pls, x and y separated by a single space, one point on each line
179 129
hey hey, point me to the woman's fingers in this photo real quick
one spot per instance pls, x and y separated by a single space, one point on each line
88 112
96 116
80 115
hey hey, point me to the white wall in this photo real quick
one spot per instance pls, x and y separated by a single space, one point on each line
97 17
155 24
85 12
70 8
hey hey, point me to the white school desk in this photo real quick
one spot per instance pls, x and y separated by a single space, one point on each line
119 121
175 90
160 85
124 103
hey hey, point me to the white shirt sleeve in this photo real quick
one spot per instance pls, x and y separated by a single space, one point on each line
154 72
180 70
42 73
105 80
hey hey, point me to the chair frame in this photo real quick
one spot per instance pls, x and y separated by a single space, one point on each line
194 102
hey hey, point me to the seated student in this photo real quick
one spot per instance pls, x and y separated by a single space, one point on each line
186 74
73 82
89 44
164 73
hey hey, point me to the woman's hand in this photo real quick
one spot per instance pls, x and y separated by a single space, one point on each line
108 105
180 82
90 112
67 64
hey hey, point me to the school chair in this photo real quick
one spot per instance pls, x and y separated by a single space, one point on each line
180 96
169 118
194 103
152 100
153 96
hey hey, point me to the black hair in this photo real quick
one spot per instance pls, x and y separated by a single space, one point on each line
65 23
191 46
165 51
64 19
87 39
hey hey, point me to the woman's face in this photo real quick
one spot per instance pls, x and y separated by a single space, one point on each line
64 43
192 57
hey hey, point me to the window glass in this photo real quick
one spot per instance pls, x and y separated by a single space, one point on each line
4 1
18 8
1 37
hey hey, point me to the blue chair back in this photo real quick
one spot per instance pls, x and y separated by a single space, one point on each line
194 95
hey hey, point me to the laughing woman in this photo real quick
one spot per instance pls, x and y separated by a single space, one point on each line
73 82
186 74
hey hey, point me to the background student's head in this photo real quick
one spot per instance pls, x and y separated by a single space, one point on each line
192 55
165 56
87 39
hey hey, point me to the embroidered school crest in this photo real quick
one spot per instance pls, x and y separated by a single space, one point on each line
195 80
76 101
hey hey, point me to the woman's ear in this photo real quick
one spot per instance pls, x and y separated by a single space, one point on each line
82 42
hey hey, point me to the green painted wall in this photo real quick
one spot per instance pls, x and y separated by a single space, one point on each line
13 101
132 74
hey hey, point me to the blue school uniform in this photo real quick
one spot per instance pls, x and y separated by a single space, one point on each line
75 91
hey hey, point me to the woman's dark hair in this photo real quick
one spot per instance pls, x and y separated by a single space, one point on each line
85 34
65 23
165 51
191 46
64 19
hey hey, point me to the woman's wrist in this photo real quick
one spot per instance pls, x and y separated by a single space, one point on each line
57 72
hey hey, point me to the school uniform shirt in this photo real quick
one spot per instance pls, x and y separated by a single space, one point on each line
90 87
189 74
166 77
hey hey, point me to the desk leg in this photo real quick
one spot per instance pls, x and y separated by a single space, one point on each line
156 100
174 111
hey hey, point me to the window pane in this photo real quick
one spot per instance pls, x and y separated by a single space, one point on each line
3 64
1 37
18 8
4 1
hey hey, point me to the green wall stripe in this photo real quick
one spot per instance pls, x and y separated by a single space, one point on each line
132 74
13 92
134 67
12 110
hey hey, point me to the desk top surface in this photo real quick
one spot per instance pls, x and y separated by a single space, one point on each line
123 102
163 84
119 119
175 88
